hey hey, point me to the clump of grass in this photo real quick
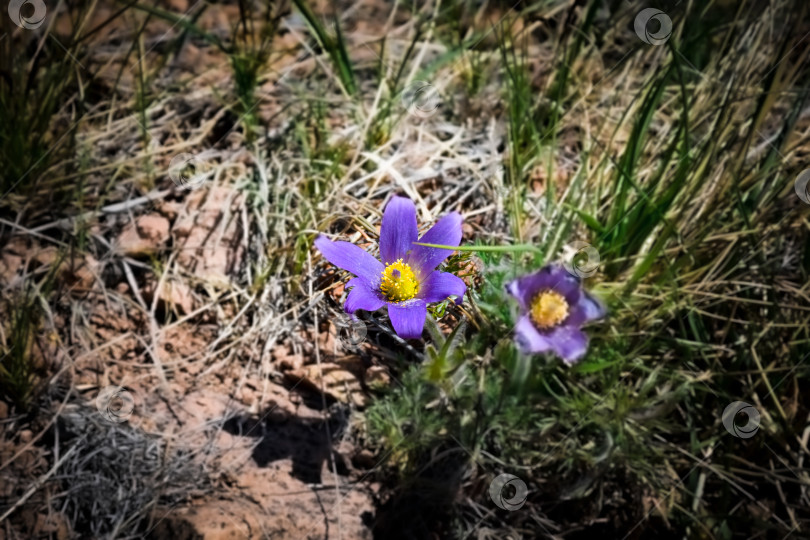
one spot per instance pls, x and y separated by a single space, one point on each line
17 370
20 372
251 49
117 478
332 45
38 78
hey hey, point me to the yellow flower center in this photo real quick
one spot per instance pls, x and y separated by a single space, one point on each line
548 309
399 283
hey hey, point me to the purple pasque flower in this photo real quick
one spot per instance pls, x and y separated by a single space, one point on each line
406 280
553 307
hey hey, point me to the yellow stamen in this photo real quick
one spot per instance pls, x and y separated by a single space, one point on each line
399 283
548 309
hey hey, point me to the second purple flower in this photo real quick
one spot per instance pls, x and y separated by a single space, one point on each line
406 280
553 308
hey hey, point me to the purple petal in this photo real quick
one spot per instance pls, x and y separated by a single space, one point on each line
529 339
408 318
447 232
398 230
439 285
351 258
570 343
553 277
362 297
587 309
354 282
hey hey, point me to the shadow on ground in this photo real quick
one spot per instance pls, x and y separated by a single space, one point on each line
308 442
